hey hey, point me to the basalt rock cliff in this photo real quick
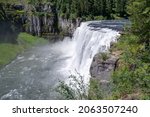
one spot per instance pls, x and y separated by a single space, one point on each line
101 69
40 19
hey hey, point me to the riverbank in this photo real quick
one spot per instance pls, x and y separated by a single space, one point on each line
123 73
9 51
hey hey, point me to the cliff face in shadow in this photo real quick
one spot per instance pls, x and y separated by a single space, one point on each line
39 20
10 24
43 20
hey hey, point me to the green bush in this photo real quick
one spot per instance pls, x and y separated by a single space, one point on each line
99 18
133 74
95 92
104 56
76 89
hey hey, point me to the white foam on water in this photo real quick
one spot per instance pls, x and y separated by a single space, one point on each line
88 42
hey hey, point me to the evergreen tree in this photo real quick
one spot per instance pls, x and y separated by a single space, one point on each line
140 17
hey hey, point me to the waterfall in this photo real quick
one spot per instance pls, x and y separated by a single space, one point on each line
91 38
39 69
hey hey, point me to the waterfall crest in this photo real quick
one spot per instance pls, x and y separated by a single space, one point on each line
91 38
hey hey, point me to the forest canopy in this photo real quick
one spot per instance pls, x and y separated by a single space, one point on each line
108 9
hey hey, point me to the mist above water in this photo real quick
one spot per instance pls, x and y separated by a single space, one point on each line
36 73
89 39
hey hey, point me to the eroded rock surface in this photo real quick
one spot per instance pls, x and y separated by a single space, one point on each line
102 70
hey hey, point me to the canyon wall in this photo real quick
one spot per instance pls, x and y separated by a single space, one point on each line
40 20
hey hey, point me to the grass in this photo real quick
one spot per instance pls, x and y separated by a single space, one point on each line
27 40
9 51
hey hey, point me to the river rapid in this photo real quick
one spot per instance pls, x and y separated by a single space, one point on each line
36 73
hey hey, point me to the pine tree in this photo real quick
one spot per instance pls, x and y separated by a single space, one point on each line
140 17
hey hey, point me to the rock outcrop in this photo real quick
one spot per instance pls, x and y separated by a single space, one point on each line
39 19
68 26
43 19
10 23
102 69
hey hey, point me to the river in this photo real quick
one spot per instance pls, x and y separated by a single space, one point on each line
36 73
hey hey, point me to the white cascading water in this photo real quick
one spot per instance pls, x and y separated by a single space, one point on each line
40 69
90 40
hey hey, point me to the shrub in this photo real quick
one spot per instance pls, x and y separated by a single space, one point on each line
99 18
104 56
133 75
77 90
95 92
